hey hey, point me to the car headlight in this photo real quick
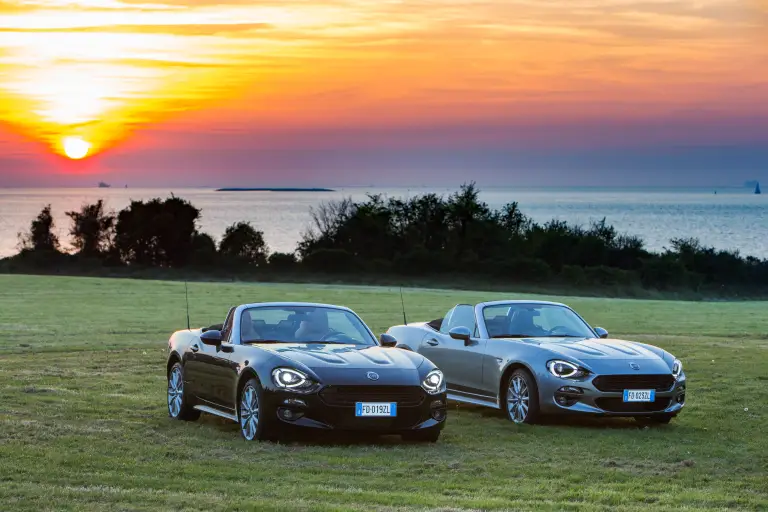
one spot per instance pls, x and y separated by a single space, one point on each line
293 380
566 370
677 369
434 382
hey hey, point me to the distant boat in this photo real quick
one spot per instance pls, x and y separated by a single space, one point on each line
757 188
104 185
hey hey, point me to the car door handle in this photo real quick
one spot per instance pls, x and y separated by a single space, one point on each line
433 342
194 348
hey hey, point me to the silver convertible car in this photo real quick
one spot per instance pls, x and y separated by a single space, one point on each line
532 358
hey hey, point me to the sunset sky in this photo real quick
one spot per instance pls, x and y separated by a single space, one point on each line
300 92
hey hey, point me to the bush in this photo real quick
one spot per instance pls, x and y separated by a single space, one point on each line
40 236
92 229
331 261
527 270
379 266
574 275
608 276
663 273
419 261
203 249
283 261
242 242
157 233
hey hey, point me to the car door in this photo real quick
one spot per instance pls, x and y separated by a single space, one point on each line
460 362
204 365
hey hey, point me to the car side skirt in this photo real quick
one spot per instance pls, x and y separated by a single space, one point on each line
216 412
475 400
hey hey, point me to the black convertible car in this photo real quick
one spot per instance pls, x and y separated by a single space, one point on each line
273 365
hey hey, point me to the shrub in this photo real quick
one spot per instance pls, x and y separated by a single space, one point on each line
663 273
157 233
203 249
40 236
528 270
283 261
418 261
574 275
242 242
331 261
608 276
92 229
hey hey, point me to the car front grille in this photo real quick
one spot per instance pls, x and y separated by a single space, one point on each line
618 405
618 383
345 396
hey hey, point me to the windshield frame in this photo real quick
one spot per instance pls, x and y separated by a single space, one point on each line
480 314
236 338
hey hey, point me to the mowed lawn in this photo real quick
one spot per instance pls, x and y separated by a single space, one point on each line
83 421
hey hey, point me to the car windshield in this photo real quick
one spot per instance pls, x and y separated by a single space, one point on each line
302 324
517 320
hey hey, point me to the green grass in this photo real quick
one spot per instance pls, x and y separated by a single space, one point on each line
83 423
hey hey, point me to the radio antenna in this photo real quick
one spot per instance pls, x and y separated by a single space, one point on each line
186 296
402 303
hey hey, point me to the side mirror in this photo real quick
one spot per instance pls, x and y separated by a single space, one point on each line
214 327
460 333
601 332
387 340
212 337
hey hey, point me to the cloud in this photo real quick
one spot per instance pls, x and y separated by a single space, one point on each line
107 69
189 29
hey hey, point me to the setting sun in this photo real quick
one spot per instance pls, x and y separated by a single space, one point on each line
75 147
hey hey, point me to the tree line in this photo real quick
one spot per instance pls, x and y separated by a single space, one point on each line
427 235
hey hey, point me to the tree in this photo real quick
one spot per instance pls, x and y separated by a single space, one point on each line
92 229
203 250
158 233
244 243
40 236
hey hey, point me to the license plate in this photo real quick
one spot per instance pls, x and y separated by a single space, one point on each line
375 409
639 395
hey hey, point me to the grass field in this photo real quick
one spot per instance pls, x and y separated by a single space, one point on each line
83 422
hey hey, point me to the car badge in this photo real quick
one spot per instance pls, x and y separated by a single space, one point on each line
373 375
634 366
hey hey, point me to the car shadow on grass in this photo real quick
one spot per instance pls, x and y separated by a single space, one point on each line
296 436
570 421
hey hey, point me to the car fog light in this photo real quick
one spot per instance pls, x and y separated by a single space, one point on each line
681 398
289 415
438 414
567 396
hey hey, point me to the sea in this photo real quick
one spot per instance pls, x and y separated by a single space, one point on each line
725 218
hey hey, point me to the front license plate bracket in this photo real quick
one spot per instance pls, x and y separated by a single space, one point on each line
376 409
639 395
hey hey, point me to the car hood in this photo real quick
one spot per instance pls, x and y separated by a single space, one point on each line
316 355
596 349
349 364
607 355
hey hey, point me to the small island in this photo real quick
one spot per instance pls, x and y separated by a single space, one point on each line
279 189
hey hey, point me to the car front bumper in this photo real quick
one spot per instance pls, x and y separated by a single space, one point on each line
593 401
315 410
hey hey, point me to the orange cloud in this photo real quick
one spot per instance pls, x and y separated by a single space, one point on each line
100 69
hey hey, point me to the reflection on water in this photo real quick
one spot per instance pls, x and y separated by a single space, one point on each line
734 219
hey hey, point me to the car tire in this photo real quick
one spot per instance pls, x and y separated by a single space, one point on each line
422 436
251 416
521 398
178 404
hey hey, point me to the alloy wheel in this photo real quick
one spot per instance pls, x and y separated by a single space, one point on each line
249 412
518 398
175 392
